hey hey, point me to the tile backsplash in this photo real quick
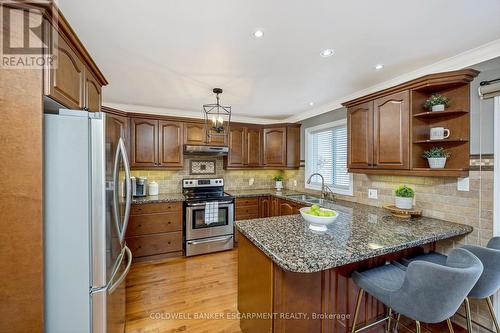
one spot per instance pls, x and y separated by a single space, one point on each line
169 181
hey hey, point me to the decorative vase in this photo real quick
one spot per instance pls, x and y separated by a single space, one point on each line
404 203
279 185
437 108
437 162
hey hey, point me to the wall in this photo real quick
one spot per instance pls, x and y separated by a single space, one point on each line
482 121
170 181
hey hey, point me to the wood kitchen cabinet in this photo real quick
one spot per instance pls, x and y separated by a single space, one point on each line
237 156
274 147
143 142
155 231
388 130
117 126
360 135
73 80
195 134
254 147
287 207
391 131
156 143
170 148
264 206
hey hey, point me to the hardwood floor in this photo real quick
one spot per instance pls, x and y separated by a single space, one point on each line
201 285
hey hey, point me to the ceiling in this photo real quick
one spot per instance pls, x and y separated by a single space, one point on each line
165 56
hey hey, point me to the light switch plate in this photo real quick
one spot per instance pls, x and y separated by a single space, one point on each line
372 193
251 181
463 184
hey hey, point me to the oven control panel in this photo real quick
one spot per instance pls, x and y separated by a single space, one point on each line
202 182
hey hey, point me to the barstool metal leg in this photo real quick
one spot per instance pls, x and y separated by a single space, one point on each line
356 312
492 313
417 323
468 317
389 321
397 321
450 326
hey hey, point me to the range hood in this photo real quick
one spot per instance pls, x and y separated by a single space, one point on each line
205 150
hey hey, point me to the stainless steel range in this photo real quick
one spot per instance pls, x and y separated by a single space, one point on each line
209 216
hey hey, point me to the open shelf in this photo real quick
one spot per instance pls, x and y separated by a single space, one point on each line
438 114
441 141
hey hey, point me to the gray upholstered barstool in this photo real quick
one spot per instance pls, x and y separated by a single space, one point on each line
488 283
425 291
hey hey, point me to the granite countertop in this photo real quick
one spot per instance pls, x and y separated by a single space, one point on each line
166 197
360 232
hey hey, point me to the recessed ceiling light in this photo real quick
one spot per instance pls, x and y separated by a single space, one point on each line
379 66
311 103
327 53
258 33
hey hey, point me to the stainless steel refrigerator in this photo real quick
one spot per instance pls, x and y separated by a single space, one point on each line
87 197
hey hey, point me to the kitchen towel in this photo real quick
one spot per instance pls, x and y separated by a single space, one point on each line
211 212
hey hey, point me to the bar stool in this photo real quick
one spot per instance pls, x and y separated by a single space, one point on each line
488 283
425 291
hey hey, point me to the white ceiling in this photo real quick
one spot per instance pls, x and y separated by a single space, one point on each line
165 56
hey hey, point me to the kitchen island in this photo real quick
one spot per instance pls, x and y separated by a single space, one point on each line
292 279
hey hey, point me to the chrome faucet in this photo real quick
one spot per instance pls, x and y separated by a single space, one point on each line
326 192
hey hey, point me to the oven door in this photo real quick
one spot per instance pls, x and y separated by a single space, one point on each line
196 227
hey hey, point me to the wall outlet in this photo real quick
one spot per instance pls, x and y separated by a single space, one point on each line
463 184
251 181
372 193
295 182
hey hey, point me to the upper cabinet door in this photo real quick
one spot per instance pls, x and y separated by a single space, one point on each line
65 83
293 146
254 146
93 96
170 144
194 134
391 119
143 142
274 146
237 147
360 135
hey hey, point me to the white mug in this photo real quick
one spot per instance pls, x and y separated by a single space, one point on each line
439 133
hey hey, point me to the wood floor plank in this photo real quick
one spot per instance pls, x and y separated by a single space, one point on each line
204 284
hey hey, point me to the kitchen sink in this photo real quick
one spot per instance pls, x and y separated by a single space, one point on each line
301 197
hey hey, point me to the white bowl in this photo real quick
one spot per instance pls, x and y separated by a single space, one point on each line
318 223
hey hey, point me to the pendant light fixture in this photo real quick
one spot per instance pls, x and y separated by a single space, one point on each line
217 119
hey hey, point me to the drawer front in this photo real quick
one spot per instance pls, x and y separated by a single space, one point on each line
246 212
155 244
152 208
246 202
154 223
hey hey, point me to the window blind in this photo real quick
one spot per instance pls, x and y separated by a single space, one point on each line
329 157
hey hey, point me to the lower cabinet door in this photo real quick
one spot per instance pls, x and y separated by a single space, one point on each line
142 246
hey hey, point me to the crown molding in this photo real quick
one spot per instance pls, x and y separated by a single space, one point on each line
132 108
463 60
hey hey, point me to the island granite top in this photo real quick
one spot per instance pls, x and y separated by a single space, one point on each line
360 232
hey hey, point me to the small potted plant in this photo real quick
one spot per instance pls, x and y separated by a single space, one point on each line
404 197
279 182
436 156
437 103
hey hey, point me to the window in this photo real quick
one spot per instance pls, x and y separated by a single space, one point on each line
326 154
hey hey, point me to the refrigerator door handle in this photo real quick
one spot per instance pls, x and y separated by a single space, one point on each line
115 284
122 226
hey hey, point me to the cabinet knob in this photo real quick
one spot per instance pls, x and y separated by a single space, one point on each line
85 108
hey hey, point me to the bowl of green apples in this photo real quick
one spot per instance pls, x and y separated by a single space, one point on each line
318 217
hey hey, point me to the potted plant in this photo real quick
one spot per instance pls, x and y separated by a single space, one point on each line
437 103
436 156
404 197
279 182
